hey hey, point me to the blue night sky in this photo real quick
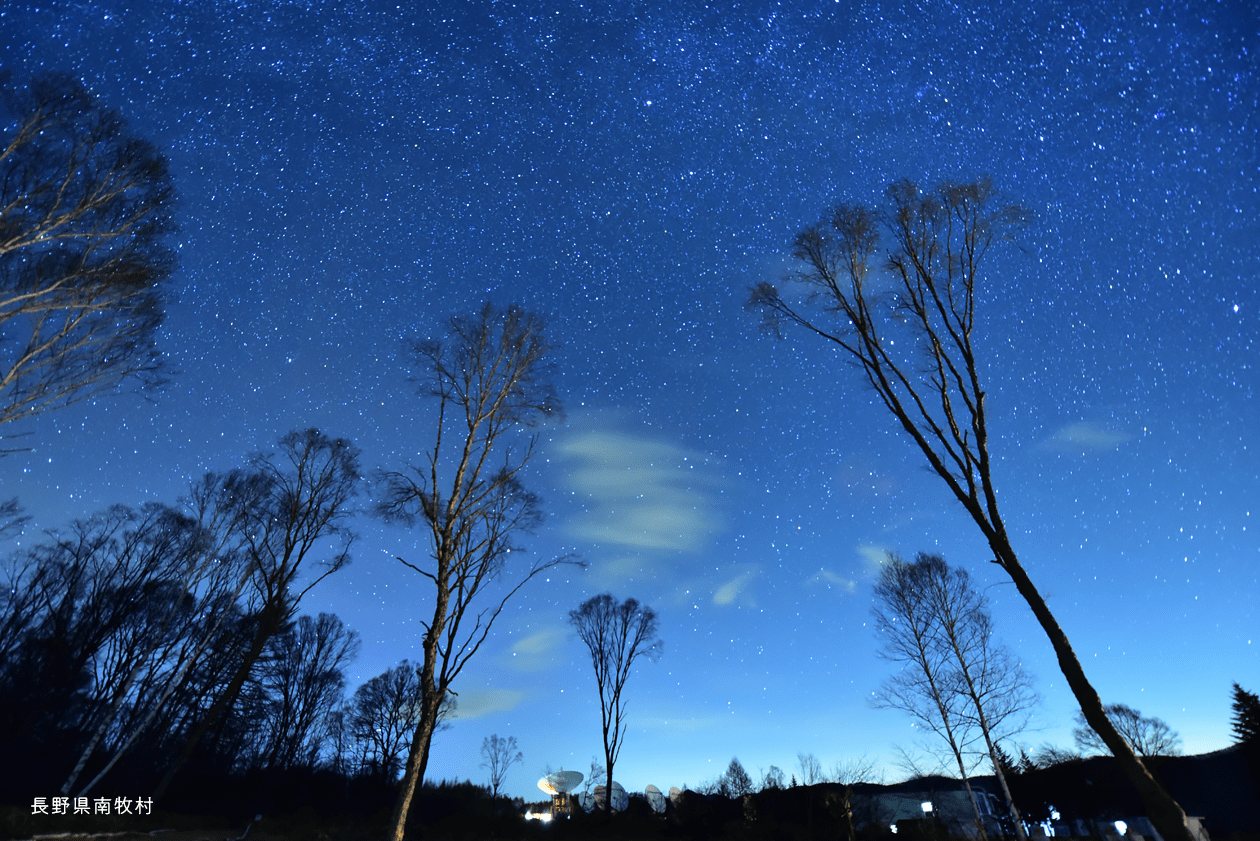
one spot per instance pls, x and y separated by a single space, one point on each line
352 173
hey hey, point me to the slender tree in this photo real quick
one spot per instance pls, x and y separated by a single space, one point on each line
497 756
932 383
615 634
491 381
382 719
811 769
177 679
997 690
85 212
924 687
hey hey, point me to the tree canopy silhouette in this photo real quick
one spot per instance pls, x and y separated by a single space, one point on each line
1246 720
1149 736
85 211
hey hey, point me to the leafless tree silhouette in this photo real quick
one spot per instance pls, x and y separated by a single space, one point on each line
490 382
994 693
932 383
616 634
498 755
923 688
1149 736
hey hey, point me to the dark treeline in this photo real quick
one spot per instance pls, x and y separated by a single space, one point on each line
146 640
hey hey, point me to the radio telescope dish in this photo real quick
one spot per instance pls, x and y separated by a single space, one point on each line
560 782
620 800
655 799
675 795
565 781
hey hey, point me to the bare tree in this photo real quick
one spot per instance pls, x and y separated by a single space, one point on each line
773 779
383 716
811 769
910 631
498 755
616 634
1149 736
84 213
932 383
492 381
84 609
988 675
308 489
1048 755
180 677
735 782
303 678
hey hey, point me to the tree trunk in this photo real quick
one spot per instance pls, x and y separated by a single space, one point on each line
270 620
120 695
1163 810
608 795
417 762
1006 790
975 804
430 703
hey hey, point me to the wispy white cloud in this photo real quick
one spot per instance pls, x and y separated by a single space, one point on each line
642 494
475 703
873 559
1085 435
830 579
535 651
737 589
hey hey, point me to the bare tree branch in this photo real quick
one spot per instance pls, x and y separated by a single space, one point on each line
84 214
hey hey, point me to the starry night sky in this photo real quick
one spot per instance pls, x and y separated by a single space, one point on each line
351 174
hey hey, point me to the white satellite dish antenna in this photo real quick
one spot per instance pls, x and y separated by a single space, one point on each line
560 782
620 800
675 795
655 799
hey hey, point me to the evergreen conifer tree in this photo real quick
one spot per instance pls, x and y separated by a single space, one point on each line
1246 721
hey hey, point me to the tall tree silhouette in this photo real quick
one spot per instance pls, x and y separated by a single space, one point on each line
615 634
932 382
491 380
305 501
498 754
